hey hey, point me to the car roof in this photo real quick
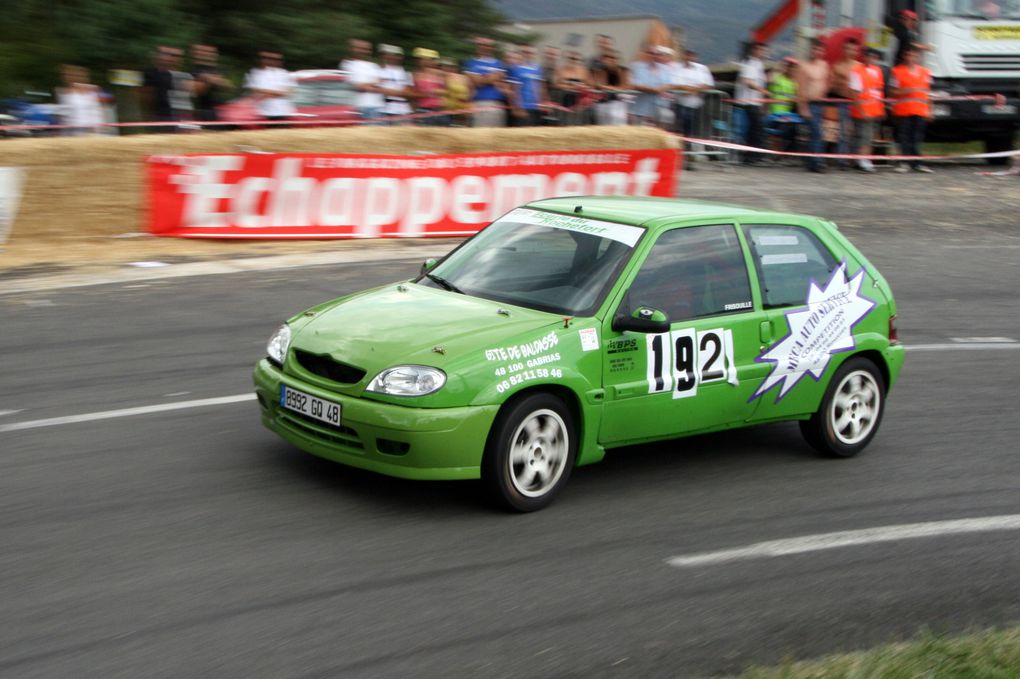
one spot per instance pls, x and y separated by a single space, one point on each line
651 212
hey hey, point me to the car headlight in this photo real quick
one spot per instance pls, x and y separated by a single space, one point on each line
408 380
278 344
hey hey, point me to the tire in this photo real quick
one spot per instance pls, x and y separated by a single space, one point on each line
996 144
530 453
851 410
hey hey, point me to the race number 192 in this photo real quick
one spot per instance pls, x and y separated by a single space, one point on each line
679 361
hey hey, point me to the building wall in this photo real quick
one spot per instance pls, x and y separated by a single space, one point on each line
630 33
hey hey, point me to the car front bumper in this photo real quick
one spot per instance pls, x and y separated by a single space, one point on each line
407 442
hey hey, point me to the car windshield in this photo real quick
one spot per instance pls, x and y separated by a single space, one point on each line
324 93
540 260
991 10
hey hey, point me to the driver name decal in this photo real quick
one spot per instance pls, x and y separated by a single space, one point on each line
824 328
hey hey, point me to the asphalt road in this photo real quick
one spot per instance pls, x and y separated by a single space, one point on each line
194 543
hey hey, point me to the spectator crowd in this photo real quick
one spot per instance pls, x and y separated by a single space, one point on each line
816 105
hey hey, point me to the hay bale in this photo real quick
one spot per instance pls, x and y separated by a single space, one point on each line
89 187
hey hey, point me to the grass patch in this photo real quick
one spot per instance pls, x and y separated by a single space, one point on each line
992 654
954 149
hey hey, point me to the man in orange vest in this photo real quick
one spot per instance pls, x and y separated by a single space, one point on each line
868 110
910 85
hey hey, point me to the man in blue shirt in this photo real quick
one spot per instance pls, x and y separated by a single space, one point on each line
526 77
653 79
487 74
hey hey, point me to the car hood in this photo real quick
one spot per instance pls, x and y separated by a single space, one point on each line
414 324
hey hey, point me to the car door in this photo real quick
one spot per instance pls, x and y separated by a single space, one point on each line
792 263
701 373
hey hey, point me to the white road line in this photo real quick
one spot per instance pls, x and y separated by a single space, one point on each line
980 340
850 538
126 412
957 346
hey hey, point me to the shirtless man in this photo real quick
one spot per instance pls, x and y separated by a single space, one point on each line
841 88
813 80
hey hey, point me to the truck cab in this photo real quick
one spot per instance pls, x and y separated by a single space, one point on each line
975 50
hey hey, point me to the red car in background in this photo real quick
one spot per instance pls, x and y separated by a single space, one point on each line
321 94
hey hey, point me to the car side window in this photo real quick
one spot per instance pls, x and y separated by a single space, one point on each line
693 272
787 259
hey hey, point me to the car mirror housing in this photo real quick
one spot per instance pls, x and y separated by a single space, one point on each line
428 265
643 319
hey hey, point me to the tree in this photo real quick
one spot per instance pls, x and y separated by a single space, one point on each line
38 35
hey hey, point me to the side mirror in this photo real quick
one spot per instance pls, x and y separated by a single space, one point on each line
643 319
427 265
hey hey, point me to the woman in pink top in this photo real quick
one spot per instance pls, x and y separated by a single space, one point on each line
430 84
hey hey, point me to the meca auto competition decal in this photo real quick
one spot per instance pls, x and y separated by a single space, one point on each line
824 328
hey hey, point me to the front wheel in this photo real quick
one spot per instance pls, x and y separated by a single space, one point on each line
530 453
850 412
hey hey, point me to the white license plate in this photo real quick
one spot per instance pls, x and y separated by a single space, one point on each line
312 406
1004 109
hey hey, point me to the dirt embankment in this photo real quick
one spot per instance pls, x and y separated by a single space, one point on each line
83 200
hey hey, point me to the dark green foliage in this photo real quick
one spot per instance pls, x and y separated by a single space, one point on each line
38 35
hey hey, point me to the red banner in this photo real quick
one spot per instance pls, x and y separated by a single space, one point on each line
367 196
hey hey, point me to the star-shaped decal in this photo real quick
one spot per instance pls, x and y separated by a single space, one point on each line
817 332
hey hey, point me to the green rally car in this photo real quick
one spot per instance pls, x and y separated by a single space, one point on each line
573 325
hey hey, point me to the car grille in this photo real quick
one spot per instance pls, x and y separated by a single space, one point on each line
326 367
307 426
991 62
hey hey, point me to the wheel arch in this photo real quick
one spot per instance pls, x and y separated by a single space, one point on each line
878 359
567 395
564 393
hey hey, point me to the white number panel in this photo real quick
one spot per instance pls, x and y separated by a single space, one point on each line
681 360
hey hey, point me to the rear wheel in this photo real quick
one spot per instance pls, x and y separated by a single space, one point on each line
530 453
850 412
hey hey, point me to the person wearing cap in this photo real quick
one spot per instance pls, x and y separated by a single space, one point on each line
429 84
363 74
652 78
394 82
488 77
868 111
